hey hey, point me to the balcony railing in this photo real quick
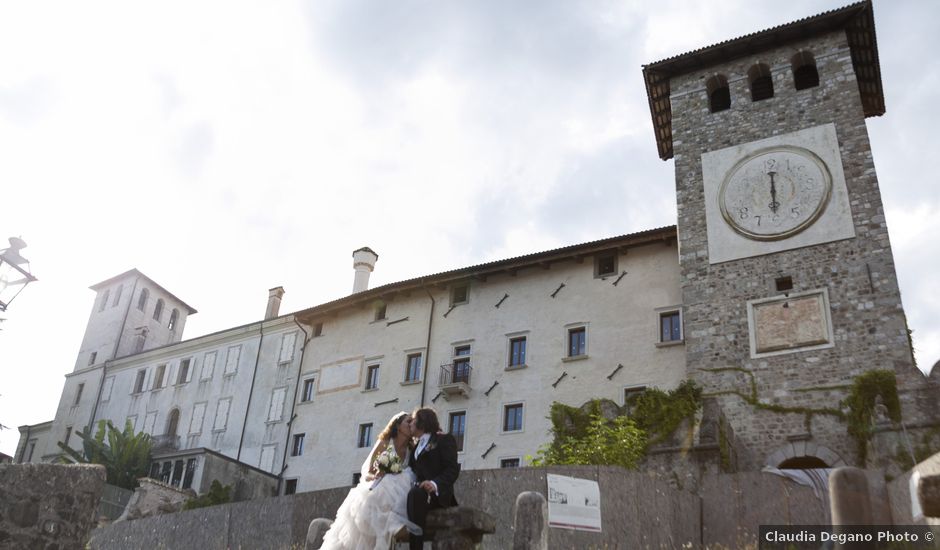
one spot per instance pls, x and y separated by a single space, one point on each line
166 442
455 378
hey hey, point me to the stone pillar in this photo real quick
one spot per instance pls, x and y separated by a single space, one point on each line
458 528
315 532
530 524
928 492
849 502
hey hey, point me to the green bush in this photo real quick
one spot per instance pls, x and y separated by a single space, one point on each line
218 494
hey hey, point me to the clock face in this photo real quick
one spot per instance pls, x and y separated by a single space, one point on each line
775 193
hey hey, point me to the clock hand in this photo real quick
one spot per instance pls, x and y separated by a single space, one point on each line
773 193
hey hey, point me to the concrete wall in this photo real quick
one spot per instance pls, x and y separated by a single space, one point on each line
636 512
48 505
274 523
247 483
734 506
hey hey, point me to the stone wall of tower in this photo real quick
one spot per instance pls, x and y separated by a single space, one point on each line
868 322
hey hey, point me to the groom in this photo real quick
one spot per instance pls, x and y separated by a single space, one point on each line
434 462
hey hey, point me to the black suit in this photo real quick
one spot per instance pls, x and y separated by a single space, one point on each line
437 463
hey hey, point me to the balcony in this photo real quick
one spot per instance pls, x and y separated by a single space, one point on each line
166 443
455 379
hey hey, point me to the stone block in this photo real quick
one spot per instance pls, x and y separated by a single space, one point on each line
458 527
928 492
315 533
48 505
530 522
153 498
849 497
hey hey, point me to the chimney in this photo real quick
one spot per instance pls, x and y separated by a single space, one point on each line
363 262
274 302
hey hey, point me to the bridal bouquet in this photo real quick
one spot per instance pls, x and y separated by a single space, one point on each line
388 462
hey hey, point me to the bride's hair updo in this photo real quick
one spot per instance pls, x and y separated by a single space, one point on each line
391 429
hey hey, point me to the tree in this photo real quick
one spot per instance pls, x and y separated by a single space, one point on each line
125 456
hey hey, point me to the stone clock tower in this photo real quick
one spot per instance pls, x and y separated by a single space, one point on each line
788 281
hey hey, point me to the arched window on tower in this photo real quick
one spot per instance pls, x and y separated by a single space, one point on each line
719 96
158 311
762 83
104 300
142 300
174 317
805 74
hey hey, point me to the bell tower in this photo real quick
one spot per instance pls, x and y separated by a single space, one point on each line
788 280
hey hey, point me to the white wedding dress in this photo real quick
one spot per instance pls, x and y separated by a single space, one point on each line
370 517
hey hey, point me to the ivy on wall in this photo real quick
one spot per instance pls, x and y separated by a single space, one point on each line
602 433
863 395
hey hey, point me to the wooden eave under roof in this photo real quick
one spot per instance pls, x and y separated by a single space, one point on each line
541 260
857 20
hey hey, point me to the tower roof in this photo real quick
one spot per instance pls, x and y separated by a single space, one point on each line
134 272
857 20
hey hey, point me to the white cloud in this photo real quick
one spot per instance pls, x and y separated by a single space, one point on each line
227 147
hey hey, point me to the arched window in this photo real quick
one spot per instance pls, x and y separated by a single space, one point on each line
762 83
158 311
172 422
117 296
174 317
805 74
142 300
104 300
802 463
719 96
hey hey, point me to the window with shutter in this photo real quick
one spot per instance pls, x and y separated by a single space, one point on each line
195 423
276 408
268 452
231 360
287 347
221 414
208 365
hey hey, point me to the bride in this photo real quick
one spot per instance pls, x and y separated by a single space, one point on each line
376 509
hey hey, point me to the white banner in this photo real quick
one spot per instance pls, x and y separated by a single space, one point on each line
574 503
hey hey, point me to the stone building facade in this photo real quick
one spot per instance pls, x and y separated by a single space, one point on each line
774 322
849 263
303 395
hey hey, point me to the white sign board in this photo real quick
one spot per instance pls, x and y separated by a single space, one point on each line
574 503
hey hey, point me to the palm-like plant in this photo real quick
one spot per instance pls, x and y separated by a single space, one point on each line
125 455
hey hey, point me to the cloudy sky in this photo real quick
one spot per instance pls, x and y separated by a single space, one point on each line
224 148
